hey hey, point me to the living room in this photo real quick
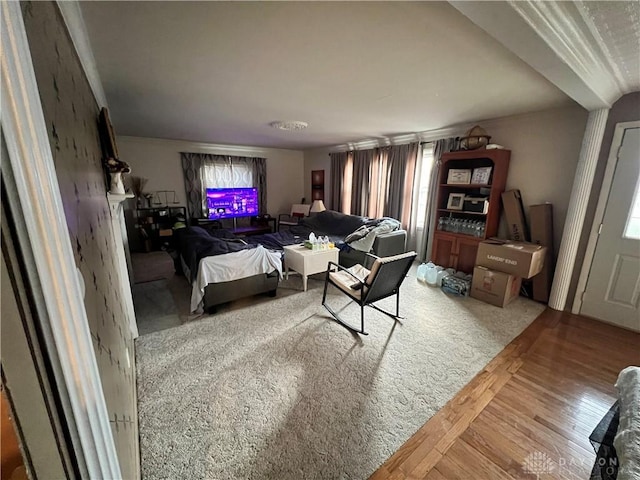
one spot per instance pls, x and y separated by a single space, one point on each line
271 387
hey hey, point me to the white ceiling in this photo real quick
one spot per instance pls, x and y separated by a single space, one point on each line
615 26
220 72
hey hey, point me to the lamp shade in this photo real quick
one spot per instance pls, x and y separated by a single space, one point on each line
317 206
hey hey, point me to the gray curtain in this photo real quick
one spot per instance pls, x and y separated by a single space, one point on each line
361 181
260 181
338 164
440 146
195 184
191 165
401 165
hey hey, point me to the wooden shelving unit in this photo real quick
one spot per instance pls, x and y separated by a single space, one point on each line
155 225
458 250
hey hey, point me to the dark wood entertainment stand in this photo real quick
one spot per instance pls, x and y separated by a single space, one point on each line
258 226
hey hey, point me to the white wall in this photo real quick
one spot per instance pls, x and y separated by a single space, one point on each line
158 160
545 147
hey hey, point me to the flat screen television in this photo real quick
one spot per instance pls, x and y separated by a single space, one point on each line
232 202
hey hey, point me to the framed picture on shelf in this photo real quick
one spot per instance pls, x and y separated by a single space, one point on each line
456 201
459 176
481 175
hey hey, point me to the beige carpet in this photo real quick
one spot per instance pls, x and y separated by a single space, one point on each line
279 391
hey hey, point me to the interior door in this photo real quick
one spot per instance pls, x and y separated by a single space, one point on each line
613 285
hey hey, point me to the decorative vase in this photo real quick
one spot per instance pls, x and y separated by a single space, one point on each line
117 187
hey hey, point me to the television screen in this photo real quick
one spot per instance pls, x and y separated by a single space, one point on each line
232 202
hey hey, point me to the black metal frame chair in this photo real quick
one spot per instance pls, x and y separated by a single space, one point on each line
384 280
298 212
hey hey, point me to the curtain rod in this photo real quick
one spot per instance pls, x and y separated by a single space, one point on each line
432 141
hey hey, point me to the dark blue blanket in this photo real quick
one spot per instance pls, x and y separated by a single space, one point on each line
196 243
277 240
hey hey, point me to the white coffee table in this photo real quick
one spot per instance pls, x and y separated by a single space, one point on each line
307 262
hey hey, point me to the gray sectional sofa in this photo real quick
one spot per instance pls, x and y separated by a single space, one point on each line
339 227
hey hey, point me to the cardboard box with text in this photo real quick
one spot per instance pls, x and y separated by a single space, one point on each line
516 258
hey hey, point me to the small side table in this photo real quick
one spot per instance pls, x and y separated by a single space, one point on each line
308 262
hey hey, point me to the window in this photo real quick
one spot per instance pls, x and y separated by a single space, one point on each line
227 174
632 228
423 184
347 180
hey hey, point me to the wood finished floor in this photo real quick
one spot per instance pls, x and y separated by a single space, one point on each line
543 394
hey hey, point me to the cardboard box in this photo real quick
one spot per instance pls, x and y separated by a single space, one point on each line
516 258
514 213
496 288
541 217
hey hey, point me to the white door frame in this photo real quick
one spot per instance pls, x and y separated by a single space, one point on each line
600 209
51 267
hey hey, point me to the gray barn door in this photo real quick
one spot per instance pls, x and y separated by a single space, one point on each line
613 286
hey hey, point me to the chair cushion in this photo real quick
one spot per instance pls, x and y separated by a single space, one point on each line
347 283
298 209
382 260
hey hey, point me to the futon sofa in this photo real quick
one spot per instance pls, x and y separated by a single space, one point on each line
355 235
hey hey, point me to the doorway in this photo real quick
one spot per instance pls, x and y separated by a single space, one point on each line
613 284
